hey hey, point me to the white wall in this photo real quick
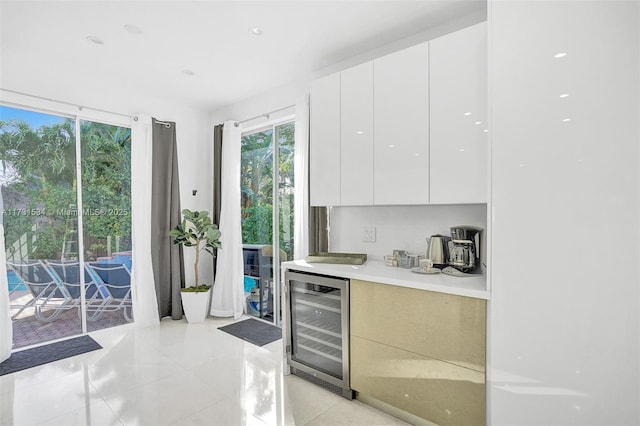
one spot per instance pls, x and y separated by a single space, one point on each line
564 326
398 227
193 129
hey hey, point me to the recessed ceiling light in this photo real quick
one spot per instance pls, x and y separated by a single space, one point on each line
478 122
132 29
257 31
359 132
188 72
391 146
95 40
461 150
560 55
467 113
566 119
564 95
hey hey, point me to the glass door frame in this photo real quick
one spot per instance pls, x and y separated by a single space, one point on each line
275 214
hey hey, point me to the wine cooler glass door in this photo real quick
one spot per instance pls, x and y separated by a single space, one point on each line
319 324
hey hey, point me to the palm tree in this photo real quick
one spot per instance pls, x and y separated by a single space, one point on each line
43 166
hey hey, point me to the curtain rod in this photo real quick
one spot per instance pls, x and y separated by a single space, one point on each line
80 107
265 115
165 123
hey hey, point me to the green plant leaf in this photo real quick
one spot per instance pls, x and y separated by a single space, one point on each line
196 228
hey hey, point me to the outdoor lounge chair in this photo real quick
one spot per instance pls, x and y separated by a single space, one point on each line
68 275
116 279
48 298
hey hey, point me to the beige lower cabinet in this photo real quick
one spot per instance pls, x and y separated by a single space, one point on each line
420 351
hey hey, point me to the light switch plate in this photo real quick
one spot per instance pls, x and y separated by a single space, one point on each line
369 234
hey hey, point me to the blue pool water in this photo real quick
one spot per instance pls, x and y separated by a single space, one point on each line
14 282
122 258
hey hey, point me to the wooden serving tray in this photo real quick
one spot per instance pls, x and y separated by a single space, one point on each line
340 258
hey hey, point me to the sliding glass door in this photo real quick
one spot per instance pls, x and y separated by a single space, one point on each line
267 214
106 223
50 203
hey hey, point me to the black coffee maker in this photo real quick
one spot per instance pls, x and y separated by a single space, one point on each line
465 249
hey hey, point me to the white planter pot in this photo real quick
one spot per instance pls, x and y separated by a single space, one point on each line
196 305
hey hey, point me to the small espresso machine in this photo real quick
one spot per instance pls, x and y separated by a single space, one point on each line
465 249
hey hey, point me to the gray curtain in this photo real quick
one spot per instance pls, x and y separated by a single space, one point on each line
318 226
217 178
166 258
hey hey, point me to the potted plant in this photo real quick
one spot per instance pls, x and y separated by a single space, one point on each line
196 230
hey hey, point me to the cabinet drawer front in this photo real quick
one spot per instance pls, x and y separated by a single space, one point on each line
431 389
437 325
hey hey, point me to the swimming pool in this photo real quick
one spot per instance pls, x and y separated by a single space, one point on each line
124 258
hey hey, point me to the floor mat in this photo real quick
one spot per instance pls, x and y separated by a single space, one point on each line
253 331
33 357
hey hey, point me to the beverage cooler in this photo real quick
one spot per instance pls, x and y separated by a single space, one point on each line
317 329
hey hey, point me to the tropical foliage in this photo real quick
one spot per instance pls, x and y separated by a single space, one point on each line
39 185
256 183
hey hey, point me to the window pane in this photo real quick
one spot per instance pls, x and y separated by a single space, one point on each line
256 181
106 204
286 144
256 184
38 179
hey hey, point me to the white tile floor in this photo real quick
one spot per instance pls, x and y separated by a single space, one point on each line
174 374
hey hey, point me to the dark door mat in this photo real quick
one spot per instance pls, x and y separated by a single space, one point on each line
253 331
33 357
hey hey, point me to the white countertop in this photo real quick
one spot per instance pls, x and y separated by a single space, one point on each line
377 271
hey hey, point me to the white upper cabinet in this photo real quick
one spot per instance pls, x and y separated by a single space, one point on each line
324 147
356 150
401 127
409 128
458 137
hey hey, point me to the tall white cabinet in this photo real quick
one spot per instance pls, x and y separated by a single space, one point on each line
564 342
324 149
458 126
401 127
356 135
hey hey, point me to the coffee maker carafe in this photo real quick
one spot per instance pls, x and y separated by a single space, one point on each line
465 249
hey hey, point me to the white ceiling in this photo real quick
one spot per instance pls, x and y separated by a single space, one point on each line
44 44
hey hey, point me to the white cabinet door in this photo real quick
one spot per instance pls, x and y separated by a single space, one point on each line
356 149
401 127
324 144
458 141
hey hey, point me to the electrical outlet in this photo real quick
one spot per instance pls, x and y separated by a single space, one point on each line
369 234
